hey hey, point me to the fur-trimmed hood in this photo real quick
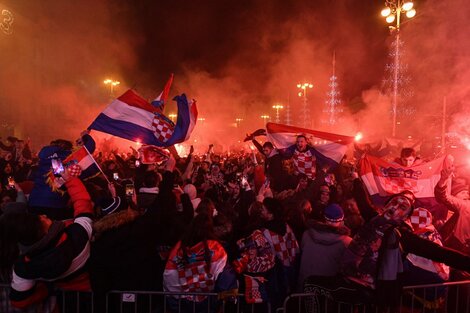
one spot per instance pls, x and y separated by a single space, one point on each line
114 220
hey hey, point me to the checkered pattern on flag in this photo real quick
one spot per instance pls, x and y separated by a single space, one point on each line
191 273
131 117
285 247
384 178
163 129
257 250
81 158
255 290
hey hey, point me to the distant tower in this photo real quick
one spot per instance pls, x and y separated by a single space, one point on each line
333 102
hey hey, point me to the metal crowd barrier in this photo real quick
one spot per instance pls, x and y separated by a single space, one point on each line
136 302
450 297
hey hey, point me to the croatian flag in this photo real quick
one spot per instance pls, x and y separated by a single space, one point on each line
82 158
384 179
153 154
131 117
331 146
160 101
255 289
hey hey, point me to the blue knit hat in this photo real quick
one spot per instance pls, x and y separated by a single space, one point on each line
333 213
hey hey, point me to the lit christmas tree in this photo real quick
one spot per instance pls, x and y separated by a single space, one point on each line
397 82
333 107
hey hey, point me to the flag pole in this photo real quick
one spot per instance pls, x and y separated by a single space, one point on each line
94 161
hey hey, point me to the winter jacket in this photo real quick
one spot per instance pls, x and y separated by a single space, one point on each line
322 248
60 256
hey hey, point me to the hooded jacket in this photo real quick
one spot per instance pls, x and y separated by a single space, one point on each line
322 249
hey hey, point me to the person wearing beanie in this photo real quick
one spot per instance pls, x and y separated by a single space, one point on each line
46 250
329 239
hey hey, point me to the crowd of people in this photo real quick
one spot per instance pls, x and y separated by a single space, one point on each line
266 223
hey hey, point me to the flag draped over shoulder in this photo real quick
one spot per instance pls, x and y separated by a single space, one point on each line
131 117
332 146
82 158
385 178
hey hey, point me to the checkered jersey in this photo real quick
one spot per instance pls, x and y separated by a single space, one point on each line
285 247
163 130
304 163
257 250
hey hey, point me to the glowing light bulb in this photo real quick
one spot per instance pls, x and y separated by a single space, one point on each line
411 13
390 19
407 6
385 12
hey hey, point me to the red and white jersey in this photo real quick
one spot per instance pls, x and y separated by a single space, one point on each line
304 163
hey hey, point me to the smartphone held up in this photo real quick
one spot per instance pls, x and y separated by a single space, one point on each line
130 190
57 167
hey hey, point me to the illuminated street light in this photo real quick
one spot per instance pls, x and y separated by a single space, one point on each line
278 107
305 110
392 13
265 117
172 117
201 119
112 84
238 121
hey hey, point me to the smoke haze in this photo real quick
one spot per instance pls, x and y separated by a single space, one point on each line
236 58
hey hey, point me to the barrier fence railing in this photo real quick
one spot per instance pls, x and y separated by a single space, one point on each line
136 301
451 297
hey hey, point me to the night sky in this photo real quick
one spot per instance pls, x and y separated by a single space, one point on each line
237 58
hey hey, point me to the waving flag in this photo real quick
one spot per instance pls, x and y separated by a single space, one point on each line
332 146
131 117
153 154
160 101
384 178
82 158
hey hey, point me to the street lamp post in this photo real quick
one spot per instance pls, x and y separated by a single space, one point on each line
392 13
112 84
303 93
265 117
278 107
